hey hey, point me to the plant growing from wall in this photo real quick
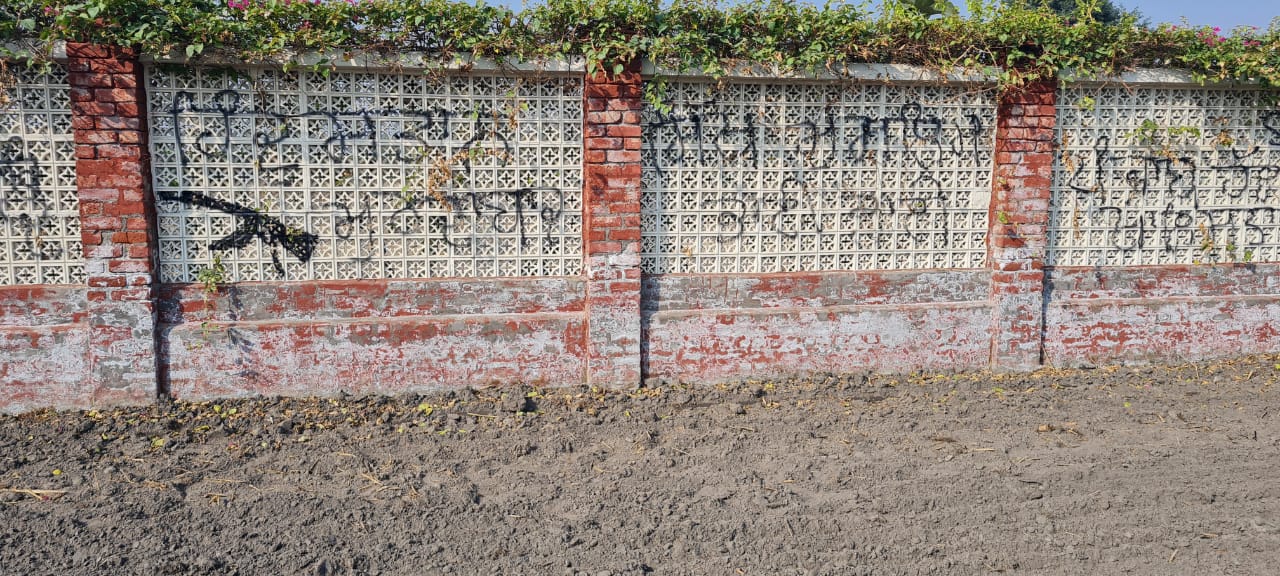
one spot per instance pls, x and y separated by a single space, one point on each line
1163 141
210 278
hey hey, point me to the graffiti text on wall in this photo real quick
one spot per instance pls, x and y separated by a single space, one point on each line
39 208
1185 182
764 178
359 177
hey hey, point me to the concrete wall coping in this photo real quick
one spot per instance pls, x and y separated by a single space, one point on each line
849 72
376 61
1155 77
58 51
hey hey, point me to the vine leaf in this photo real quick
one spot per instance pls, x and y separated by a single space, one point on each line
930 8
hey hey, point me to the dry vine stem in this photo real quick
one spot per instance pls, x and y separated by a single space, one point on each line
36 493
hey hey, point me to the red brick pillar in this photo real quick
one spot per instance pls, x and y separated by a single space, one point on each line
116 220
1019 222
611 211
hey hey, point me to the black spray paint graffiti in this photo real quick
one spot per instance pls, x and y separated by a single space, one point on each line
1170 201
908 144
493 207
1271 122
430 141
427 128
27 208
250 225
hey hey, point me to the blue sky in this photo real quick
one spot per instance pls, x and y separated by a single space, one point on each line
1226 14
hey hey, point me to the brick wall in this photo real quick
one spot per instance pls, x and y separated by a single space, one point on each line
368 336
710 328
117 221
1099 316
43 348
1019 221
612 225
123 336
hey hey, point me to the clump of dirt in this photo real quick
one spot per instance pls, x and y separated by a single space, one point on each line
1153 470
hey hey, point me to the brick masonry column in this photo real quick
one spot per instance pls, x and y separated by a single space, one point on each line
1019 220
611 206
117 221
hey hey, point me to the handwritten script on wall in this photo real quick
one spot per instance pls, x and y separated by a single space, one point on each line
313 175
769 177
39 210
1165 176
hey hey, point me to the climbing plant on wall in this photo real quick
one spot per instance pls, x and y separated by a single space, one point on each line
1014 41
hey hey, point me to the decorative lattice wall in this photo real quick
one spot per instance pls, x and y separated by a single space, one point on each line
306 175
39 209
1165 176
766 177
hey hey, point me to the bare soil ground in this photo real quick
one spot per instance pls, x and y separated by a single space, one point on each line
1158 470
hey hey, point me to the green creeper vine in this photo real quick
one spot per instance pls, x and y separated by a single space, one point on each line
1014 42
